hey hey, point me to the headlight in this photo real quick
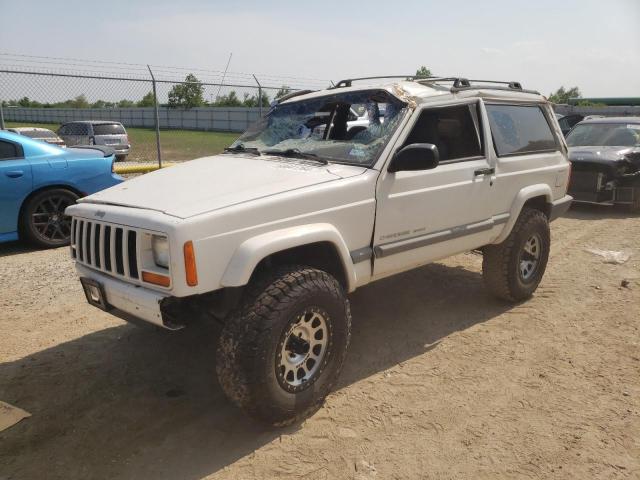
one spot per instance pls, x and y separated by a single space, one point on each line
160 248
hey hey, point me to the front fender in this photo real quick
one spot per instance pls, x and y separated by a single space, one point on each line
249 253
527 193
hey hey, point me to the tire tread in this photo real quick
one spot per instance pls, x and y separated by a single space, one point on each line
269 295
496 261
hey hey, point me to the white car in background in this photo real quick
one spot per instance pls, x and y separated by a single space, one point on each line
42 134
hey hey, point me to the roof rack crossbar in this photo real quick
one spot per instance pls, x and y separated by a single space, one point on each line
348 81
460 84
293 94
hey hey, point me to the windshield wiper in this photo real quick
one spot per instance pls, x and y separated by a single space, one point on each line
240 148
295 153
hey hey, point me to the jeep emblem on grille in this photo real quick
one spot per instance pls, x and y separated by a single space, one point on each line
100 214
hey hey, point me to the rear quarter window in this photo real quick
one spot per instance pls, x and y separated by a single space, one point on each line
520 129
9 150
74 129
108 129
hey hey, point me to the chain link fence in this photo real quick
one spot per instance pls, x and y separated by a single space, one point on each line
166 119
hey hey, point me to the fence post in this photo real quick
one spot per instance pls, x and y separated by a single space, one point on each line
1 117
155 103
259 96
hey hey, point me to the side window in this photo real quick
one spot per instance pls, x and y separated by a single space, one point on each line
520 129
564 124
454 130
9 150
63 130
75 129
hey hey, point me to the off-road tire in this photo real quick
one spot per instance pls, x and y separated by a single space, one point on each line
252 337
34 233
501 268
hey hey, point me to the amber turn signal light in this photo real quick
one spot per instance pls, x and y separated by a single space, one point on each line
190 264
156 279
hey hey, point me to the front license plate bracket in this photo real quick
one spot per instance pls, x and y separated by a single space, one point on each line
95 293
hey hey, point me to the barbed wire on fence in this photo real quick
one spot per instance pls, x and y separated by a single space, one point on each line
52 91
174 73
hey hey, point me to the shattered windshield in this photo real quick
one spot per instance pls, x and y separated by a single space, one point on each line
325 128
604 134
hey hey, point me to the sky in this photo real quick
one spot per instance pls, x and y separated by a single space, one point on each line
544 44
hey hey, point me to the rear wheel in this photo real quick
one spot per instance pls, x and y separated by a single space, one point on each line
513 269
281 353
43 220
121 158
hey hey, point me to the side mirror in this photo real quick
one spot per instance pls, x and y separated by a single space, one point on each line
417 156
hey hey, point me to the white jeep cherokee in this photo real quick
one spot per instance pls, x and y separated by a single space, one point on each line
270 236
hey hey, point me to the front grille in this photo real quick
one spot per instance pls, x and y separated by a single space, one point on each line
586 181
113 249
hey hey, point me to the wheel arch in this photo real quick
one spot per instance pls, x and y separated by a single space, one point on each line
39 190
535 196
320 246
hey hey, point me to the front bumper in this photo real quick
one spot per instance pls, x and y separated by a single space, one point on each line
121 149
130 302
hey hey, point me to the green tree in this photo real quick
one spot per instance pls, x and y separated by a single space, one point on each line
126 104
562 96
102 104
25 102
147 101
284 90
423 72
253 101
188 94
79 102
229 100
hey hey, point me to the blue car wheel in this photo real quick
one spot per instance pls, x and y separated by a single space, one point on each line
44 222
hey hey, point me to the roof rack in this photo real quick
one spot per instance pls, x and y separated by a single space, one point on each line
348 81
293 94
460 84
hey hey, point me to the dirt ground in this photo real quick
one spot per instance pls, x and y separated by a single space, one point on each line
441 380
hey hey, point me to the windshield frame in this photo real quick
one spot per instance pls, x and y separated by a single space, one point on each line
403 110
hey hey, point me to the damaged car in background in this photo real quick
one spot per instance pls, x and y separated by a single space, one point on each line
605 158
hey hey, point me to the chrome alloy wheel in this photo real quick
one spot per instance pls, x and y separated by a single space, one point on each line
303 350
530 257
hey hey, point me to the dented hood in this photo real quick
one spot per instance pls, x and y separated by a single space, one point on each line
211 183
599 154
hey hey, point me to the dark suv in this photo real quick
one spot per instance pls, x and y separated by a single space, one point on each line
605 156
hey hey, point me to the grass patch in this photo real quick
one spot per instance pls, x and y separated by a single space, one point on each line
176 145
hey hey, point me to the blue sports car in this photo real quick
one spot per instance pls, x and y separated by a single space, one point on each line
38 181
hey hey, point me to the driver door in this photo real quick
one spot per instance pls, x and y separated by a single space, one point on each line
426 215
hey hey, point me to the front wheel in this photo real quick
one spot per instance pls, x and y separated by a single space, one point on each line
43 220
281 353
513 269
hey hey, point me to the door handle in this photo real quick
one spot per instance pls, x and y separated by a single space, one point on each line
484 171
14 173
